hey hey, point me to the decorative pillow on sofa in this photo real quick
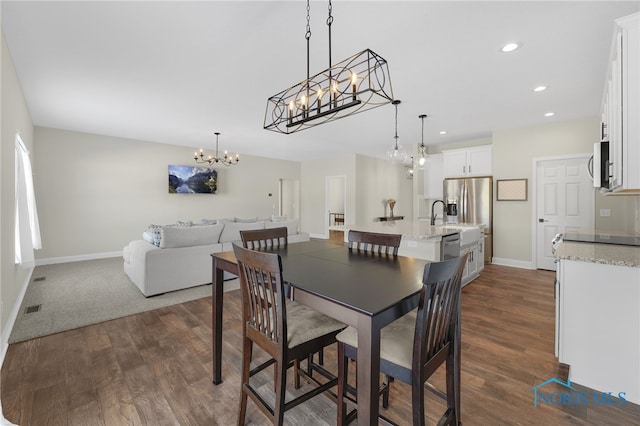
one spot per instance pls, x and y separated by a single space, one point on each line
153 235
175 236
231 231
208 222
292 225
183 223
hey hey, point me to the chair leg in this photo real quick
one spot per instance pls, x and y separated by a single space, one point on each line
247 351
451 390
417 401
343 374
296 374
385 392
281 385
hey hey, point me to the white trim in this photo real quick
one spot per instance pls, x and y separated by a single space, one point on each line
6 331
322 237
534 199
523 264
327 224
78 258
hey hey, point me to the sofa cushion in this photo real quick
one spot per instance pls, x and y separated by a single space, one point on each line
231 231
249 220
174 236
292 225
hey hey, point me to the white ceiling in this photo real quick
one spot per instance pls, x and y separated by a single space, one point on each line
175 72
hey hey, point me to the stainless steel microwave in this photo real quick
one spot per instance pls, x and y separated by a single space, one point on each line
599 165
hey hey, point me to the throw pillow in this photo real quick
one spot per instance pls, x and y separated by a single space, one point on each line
209 222
183 223
156 236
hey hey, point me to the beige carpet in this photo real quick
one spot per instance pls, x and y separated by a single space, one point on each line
77 294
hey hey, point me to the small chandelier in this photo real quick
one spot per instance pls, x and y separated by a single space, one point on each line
421 148
397 152
227 160
357 84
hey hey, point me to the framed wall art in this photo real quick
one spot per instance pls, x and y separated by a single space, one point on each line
192 180
511 190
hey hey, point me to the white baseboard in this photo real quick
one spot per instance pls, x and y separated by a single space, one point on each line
523 264
6 331
321 236
79 258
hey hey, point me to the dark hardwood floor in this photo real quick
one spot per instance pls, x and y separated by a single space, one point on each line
155 368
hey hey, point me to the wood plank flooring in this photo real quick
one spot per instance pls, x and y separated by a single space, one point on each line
155 368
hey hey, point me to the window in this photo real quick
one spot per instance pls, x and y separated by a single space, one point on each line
27 228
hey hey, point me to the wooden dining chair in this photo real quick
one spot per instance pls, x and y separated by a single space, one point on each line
287 331
414 346
374 242
256 239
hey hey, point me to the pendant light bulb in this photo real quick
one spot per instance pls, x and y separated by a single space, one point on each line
422 160
422 148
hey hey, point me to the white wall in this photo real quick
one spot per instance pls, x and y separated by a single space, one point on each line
98 192
513 154
15 118
336 194
378 181
315 216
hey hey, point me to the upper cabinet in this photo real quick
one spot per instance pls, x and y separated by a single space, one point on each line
433 177
474 161
620 107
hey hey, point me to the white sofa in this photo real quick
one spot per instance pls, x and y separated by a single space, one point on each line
182 258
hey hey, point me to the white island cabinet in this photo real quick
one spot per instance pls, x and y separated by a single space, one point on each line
423 241
598 316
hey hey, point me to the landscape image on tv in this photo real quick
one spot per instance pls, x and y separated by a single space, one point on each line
192 180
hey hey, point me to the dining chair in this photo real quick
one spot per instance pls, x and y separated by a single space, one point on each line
414 346
287 331
264 238
374 242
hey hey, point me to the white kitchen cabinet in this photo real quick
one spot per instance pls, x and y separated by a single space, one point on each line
598 325
475 258
433 177
620 107
474 161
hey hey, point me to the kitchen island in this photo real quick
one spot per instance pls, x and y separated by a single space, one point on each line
598 316
431 242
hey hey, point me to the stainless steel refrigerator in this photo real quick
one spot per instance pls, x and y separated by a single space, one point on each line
470 200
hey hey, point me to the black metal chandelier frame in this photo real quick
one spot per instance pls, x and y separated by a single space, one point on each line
354 85
227 159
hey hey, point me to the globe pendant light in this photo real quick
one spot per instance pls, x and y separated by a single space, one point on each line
397 152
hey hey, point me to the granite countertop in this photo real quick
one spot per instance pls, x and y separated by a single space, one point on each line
410 229
608 254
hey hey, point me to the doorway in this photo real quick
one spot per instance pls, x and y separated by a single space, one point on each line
564 201
289 194
336 193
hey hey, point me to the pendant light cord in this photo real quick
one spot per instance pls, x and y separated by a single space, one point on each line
396 136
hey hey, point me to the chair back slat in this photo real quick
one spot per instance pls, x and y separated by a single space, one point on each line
257 239
263 302
374 242
438 308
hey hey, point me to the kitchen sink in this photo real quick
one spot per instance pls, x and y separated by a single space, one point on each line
468 234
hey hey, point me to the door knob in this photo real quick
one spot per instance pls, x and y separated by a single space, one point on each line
542 220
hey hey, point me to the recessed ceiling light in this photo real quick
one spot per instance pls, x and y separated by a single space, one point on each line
510 47
550 114
443 132
540 88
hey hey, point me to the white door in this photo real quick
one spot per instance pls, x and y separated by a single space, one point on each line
565 203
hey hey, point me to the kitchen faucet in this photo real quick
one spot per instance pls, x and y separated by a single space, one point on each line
433 215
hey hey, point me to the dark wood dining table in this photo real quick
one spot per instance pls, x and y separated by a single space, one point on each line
366 291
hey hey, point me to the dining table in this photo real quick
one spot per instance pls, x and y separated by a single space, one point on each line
362 289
